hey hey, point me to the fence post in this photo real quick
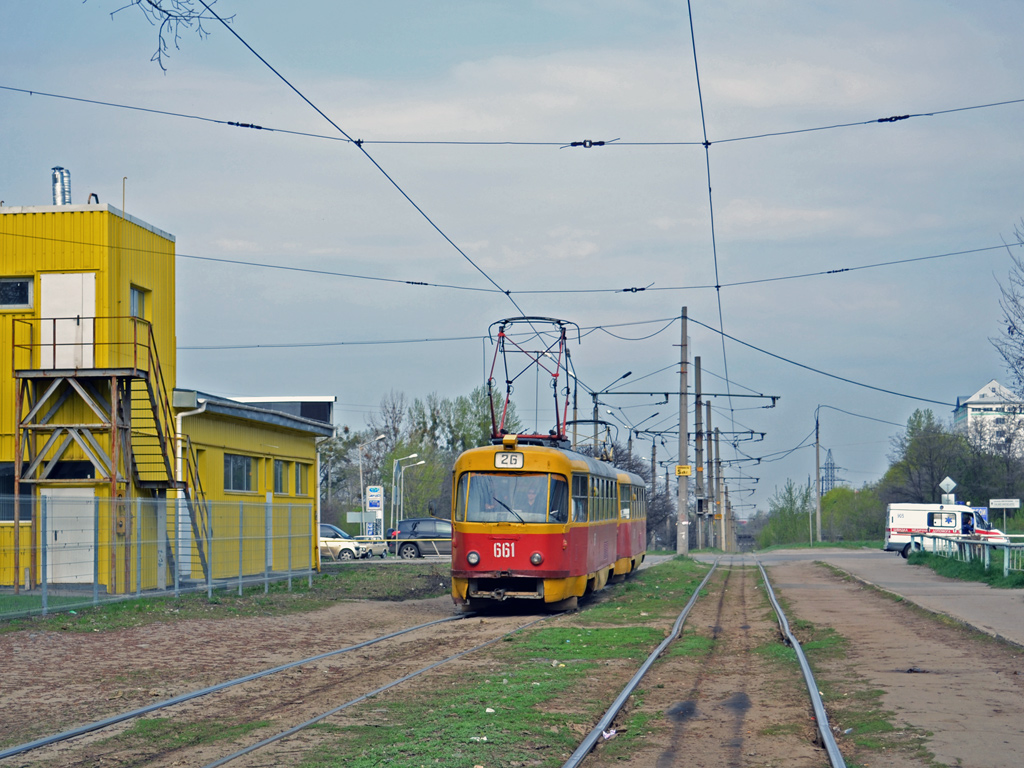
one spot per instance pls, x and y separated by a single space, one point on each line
290 547
45 538
241 538
96 552
268 542
138 546
177 545
209 556
315 530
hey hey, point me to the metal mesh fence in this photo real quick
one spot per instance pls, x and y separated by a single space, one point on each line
76 550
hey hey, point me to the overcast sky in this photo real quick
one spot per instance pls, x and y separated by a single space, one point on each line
521 211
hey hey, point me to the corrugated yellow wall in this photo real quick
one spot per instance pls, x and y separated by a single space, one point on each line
234 512
121 252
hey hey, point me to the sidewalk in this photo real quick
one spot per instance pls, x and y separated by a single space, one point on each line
996 612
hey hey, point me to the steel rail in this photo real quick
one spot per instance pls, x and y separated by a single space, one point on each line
591 740
313 721
100 724
828 739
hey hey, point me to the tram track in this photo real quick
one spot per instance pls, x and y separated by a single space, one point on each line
706 715
297 692
706 703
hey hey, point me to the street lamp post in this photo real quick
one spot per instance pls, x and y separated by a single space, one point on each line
394 477
362 489
401 488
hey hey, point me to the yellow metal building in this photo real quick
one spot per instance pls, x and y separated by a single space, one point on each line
142 480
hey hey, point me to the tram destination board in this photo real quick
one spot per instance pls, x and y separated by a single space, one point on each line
508 460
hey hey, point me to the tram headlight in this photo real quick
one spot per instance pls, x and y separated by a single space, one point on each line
536 558
473 558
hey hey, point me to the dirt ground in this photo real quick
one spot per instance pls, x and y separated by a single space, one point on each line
964 689
55 681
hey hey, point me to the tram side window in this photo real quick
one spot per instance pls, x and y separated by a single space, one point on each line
558 503
461 497
580 498
603 500
625 501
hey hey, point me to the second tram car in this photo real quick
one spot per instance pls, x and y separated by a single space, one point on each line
533 520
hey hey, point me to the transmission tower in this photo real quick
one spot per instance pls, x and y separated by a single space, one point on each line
828 474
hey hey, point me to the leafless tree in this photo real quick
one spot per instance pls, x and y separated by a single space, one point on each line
1010 342
171 18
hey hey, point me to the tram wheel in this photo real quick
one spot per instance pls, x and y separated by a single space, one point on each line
568 604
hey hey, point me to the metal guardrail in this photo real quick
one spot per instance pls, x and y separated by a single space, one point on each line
968 549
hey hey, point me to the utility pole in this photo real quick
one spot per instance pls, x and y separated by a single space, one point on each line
719 506
817 475
698 461
711 492
683 498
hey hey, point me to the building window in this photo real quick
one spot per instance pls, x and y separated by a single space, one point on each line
15 293
300 480
237 472
280 476
138 298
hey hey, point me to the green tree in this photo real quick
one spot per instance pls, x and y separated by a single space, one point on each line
849 515
456 425
789 516
922 456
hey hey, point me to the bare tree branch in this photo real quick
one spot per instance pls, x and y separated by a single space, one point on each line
171 17
1010 342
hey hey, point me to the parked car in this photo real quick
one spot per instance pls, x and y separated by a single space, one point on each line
419 536
338 545
373 546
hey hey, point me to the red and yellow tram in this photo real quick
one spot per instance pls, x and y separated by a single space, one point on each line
533 520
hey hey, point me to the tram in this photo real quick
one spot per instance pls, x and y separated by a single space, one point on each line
534 520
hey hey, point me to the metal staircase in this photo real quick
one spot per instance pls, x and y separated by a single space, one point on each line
118 417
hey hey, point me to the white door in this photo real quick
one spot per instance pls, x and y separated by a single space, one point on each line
70 535
67 310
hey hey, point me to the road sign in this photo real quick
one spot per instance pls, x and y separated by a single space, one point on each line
1004 503
683 470
948 485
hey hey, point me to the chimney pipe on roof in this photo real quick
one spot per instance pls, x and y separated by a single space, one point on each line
61 178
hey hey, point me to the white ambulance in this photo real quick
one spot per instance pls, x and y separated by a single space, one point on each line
953 520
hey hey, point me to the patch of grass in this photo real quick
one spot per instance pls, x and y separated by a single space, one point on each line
867 544
651 595
970 571
499 719
578 643
691 644
350 581
782 729
163 733
779 653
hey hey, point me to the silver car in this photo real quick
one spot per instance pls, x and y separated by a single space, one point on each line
373 546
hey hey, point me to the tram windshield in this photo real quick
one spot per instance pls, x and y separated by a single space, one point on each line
493 497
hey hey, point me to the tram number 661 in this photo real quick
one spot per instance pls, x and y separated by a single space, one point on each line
504 549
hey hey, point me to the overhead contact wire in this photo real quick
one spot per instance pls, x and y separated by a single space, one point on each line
359 145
